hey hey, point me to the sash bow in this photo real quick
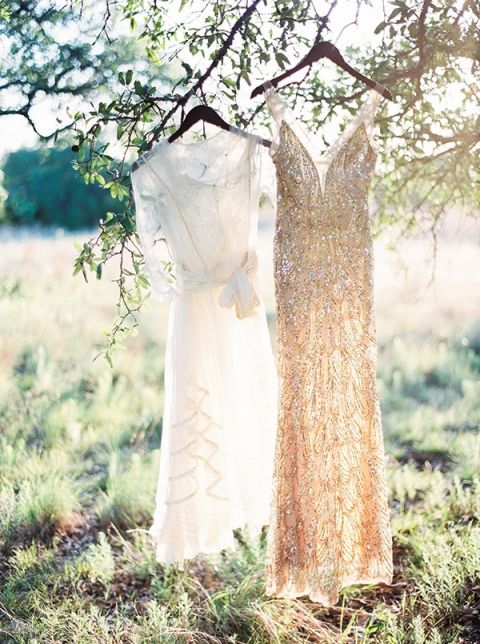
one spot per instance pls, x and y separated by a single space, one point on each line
238 291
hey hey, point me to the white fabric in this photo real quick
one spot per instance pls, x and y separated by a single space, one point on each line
238 291
220 379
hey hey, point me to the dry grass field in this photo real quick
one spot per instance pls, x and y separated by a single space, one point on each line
79 447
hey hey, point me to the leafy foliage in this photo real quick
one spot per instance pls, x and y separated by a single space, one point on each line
32 178
426 53
40 58
429 151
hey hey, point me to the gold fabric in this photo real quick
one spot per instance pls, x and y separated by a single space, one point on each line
330 524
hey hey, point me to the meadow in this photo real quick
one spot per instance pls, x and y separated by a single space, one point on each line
79 453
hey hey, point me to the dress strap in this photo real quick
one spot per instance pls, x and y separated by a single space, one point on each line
279 112
369 110
374 100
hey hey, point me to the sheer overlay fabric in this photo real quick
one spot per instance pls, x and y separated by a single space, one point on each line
220 378
330 524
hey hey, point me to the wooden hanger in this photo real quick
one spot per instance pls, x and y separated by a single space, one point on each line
208 115
199 113
324 50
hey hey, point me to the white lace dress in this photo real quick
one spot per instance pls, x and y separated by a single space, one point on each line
220 380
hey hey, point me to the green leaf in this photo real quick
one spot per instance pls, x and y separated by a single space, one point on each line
143 281
281 59
151 54
394 13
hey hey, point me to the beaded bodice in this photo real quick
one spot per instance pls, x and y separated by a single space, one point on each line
330 523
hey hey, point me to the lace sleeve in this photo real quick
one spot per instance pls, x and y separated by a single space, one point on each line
149 228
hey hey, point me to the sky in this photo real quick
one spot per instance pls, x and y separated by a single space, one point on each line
15 132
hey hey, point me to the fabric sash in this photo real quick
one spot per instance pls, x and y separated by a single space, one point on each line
238 291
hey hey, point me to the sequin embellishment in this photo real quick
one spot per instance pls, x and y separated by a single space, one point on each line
330 523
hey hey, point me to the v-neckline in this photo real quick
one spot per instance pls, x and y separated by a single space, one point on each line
329 155
329 164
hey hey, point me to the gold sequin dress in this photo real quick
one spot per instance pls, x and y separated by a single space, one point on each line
330 523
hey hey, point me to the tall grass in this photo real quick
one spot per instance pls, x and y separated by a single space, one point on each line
79 454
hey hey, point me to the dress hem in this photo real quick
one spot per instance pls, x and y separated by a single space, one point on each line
224 543
323 598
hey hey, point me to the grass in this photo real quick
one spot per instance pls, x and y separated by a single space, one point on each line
79 455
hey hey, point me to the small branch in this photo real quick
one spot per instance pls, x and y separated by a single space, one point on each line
215 62
421 45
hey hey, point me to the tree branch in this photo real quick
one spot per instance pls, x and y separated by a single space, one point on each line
215 62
